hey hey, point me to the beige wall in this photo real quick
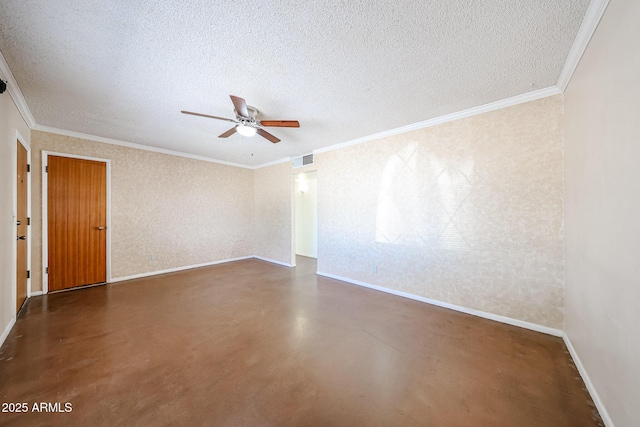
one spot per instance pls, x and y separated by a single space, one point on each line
10 121
273 190
467 212
602 200
167 211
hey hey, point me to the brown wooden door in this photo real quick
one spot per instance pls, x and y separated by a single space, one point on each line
77 222
23 228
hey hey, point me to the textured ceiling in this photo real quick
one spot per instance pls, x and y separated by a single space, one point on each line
345 70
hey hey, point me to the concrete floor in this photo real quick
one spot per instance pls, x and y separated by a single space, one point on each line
251 343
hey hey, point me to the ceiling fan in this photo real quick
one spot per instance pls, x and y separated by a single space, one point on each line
247 123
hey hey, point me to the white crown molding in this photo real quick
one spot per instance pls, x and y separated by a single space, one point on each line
587 381
587 29
15 92
89 137
134 145
508 102
25 112
273 163
502 319
589 24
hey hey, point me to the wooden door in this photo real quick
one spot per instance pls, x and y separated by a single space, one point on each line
23 228
77 217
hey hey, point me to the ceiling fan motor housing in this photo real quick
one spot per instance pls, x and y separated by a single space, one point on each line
251 120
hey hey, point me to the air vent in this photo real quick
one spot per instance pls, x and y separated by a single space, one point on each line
298 162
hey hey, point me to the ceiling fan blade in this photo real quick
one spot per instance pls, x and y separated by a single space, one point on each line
240 105
228 133
263 133
281 123
208 116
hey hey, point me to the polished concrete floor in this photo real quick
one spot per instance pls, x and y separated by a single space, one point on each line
255 344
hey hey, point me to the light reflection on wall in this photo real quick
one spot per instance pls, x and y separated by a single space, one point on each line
423 200
397 195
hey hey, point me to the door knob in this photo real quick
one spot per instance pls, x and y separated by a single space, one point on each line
100 228
22 238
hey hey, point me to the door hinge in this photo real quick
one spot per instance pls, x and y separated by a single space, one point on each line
46 270
46 168
28 274
28 168
28 221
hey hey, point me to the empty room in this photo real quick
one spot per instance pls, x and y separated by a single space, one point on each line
278 213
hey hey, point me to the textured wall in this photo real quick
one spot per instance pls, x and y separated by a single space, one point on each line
273 192
10 120
179 211
467 212
602 211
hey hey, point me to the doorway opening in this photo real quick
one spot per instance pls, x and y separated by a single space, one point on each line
306 214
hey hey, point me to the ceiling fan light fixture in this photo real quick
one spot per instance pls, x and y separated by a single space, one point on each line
245 130
246 123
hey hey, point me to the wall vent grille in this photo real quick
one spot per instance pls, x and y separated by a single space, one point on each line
307 160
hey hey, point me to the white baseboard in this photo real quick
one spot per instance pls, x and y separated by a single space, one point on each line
474 312
186 267
273 261
587 381
515 322
172 270
6 331
35 293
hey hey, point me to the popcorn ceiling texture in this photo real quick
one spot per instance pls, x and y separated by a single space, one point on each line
345 70
273 191
179 211
468 212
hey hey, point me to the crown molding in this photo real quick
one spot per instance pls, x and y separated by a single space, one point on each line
143 147
497 105
86 136
15 92
594 13
587 29
508 102
273 163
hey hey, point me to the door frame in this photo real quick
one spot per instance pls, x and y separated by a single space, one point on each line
293 220
45 214
297 171
14 168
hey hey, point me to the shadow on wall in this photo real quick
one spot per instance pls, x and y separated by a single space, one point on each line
427 206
